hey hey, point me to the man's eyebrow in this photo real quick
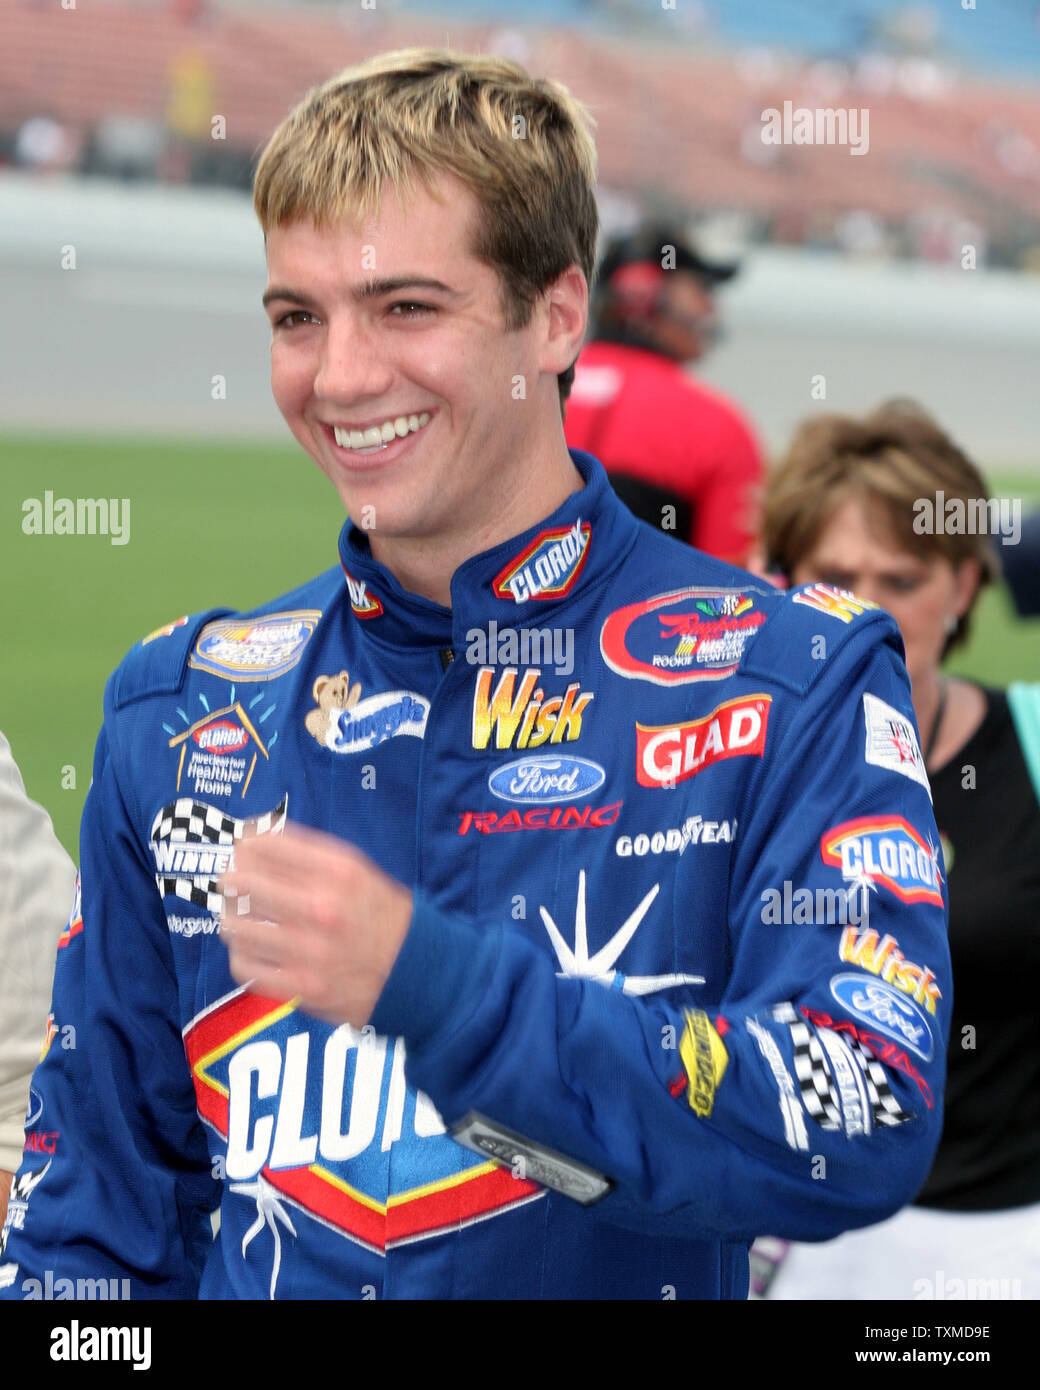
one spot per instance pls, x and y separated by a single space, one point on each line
371 289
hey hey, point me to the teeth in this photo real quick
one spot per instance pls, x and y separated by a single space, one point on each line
380 435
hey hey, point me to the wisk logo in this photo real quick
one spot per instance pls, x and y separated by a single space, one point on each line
524 718
364 604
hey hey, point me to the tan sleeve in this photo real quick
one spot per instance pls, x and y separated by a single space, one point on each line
37 883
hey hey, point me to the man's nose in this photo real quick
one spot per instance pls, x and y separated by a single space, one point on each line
352 366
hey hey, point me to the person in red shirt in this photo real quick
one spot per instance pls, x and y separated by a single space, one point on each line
679 454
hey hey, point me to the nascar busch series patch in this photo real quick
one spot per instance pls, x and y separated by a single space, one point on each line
321 1119
547 568
524 718
364 604
676 638
254 649
884 850
346 723
671 753
836 603
192 844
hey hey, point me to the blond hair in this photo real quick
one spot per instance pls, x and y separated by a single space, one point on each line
889 460
523 146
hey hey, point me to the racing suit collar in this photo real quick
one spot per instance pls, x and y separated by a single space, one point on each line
521 583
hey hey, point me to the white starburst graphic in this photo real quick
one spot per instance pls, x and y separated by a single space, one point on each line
269 1211
578 964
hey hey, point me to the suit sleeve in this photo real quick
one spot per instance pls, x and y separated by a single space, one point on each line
36 886
122 1187
803 1102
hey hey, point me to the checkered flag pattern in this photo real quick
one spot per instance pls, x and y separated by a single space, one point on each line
815 1081
188 822
885 1106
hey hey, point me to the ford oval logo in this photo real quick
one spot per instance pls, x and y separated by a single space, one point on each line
885 1009
546 778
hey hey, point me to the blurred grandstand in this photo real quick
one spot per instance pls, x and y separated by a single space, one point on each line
132 91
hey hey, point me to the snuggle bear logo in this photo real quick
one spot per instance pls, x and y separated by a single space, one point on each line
334 695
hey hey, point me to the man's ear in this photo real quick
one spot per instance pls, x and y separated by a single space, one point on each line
568 304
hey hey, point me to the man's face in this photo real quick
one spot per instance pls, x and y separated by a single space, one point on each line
394 325
686 324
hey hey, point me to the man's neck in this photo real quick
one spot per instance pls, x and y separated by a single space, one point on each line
425 564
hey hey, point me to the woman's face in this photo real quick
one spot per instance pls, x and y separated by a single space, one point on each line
922 592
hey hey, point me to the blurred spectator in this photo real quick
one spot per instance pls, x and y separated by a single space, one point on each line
37 880
843 509
679 454
1022 568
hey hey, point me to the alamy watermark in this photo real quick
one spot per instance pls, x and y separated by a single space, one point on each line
976 516
525 646
77 516
827 907
804 125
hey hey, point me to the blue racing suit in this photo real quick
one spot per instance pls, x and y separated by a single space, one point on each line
676 974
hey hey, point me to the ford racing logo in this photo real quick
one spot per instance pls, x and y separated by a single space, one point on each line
546 778
886 1010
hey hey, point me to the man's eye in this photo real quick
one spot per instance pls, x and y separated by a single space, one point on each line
293 319
410 310
903 584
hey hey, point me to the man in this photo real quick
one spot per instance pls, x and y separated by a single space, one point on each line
678 453
502 1011
37 879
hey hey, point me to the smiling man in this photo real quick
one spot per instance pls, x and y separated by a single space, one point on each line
450 977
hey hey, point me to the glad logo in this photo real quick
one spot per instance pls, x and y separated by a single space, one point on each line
548 567
525 719
671 753
364 604
220 737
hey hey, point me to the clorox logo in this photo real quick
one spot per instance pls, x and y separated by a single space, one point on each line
885 850
364 604
298 1104
548 567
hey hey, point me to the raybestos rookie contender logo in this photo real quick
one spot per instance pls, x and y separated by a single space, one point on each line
688 635
257 649
548 567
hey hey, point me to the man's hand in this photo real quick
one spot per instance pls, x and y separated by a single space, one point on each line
320 923
6 1179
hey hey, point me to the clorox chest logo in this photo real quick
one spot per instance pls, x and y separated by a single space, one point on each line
255 650
680 637
310 1114
885 850
547 568
364 604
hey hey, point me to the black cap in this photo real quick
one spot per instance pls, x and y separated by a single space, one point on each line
648 243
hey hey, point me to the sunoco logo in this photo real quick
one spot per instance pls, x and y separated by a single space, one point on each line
548 567
546 779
